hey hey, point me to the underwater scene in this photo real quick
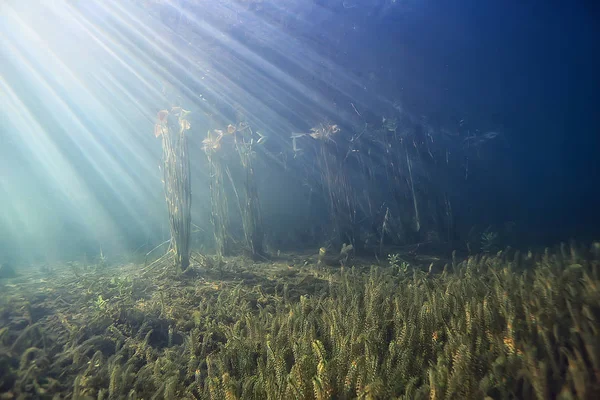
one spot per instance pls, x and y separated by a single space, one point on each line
299 199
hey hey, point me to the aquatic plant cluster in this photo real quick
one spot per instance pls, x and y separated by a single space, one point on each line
382 183
401 198
492 326
176 178
371 176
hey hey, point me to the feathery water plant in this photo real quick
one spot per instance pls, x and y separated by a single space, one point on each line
503 326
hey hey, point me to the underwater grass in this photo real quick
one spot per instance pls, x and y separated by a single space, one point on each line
498 327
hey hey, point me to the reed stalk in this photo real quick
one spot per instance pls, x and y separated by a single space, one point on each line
172 127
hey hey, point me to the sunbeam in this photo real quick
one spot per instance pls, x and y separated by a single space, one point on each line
299 199
93 75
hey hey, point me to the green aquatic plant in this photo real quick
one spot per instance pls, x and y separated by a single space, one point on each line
489 241
245 143
396 263
219 215
100 303
102 261
172 126
394 260
123 285
501 326
334 181
417 218
451 338
243 140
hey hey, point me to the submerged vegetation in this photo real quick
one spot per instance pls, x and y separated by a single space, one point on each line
171 127
491 326
379 308
364 322
242 140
